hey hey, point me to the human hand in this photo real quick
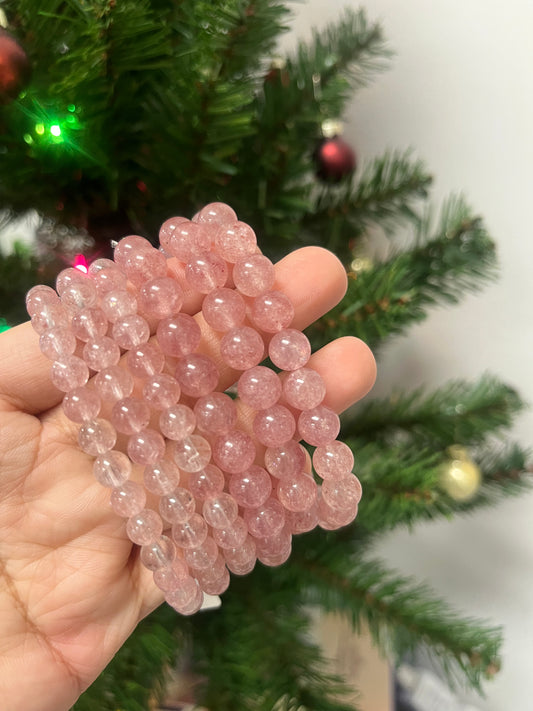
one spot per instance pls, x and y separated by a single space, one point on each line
72 587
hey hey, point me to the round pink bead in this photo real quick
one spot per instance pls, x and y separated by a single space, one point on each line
259 387
177 422
216 587
117 304
234 451
80 295
304 389
69 373
179 335
178 506
253 275
285 460
242 348
215 571
241 559
113 383
274 426
212 585
49 316
297 492
191 533
97 437
107 276
206 271
206 483
39 296
331 519
217 213
274 561
161 553
223 309
251 488
235 241
141 266
303 521
265 520
128 246
161 297
192 453
289 349
215 413
131 331
112 468
342 492
196 374
146 447
128 499
57 343
231 536
130 415
161 391
89 324
203 556
144 527
81 404
274 545
319 426
171 577
272 311
161 478
187 599
67 278
220 511
101 353
333 459
98 265
167 229
184 240
145 361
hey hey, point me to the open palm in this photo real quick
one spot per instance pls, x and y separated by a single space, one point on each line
71 584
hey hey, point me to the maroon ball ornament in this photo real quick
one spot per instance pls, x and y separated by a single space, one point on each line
335 159
15 68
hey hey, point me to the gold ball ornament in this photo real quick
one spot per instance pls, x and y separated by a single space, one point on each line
460 478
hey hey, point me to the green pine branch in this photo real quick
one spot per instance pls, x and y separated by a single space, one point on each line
460 412
385 300
401 616
256 653
319 79
402 483
389 192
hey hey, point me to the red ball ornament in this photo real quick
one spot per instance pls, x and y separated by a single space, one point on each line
335 159
15 68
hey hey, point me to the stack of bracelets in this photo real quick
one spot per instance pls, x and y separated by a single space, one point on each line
199 497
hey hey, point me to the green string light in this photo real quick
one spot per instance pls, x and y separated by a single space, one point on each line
4 326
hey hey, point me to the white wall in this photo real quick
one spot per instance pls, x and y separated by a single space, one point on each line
460 93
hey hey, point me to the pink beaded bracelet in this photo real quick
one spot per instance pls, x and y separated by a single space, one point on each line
145 397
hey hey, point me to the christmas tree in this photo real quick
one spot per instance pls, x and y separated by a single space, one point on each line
116 116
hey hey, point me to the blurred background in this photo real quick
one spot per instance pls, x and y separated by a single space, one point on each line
460 92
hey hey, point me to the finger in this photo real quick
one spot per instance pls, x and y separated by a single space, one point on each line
348 369
313 279
25 373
